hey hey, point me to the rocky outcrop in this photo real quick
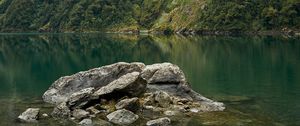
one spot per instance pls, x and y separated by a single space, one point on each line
122 117
159 122
122 91
30 115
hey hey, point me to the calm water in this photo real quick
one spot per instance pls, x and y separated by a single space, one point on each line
258 78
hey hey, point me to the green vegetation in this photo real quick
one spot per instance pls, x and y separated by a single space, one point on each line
158 15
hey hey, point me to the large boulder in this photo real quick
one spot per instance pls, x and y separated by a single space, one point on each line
122 117
30 115
64 87
129 84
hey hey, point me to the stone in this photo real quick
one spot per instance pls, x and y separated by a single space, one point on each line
93 110
61 110
86 122
159 122
170 113
64 87
30 115
45 115
131 104
122 117
149 99
194 110
129 84
163 73
162 98
79 99
80 114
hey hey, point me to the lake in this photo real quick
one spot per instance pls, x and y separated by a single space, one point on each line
258 78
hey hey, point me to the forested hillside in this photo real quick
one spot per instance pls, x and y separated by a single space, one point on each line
153 15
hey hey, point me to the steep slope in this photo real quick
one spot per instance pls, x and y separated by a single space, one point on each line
155 15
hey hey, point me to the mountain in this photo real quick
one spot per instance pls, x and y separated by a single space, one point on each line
154 15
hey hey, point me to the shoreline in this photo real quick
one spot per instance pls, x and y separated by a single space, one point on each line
289 33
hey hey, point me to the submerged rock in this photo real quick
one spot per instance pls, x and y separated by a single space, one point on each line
30 115
159 122
64 87
131 104
122 117
101 122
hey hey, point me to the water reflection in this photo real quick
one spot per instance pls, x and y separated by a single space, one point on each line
266 69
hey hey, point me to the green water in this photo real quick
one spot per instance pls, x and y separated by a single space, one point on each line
258 78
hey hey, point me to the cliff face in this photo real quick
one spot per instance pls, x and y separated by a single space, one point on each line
159 15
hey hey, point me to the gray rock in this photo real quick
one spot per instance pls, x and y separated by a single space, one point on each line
45 115
122 117
64 87
163 73
30 115
80 114
93 110
131 104
159 122
86 122
162 98
130 84
61 110
170 113
80 98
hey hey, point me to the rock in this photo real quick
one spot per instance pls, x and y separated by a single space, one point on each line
162 98
93 110
79 99
80 114
122 117
61 110
170 113
130 84
159 122
149 99
194 110
131 104
45 115
64 87
86 122
30 115
164 73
